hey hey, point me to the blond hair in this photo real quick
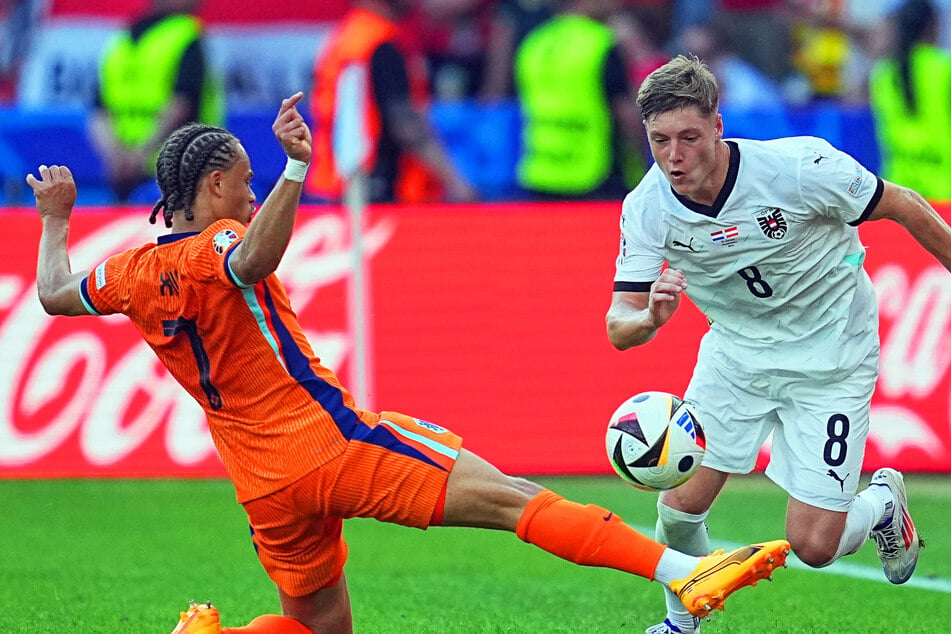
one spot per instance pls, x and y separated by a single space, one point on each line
680 83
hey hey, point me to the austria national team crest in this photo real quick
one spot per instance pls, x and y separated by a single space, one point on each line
772 222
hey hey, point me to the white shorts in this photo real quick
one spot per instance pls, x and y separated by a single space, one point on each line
819 425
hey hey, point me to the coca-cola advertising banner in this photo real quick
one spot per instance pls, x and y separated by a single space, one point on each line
488 319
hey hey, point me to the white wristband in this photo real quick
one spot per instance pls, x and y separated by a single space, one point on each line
295 170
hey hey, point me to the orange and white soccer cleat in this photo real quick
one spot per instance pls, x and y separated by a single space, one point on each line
200 618
720 574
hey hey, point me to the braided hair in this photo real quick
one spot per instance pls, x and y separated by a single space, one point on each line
189 153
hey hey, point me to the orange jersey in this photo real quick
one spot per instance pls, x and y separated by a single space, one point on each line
275 413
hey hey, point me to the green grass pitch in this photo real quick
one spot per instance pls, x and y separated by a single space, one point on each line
119 556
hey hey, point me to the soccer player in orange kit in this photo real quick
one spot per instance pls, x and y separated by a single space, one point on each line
302 456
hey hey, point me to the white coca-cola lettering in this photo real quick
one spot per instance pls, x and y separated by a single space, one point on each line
22 339
319 255
113 409
9 288
113 430
916 355
88 392
81 351
895 428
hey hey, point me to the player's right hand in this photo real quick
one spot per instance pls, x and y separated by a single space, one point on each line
292 131
55 191
665 296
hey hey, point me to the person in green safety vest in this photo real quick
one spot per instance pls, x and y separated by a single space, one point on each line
582 138
153 77
910 97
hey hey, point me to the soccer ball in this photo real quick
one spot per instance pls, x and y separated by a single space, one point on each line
654 442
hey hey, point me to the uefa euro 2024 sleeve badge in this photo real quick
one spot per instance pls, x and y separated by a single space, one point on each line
222 240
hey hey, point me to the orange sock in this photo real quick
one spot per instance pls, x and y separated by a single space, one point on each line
587 535
270 624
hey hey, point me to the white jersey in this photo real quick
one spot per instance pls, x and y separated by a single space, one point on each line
775 262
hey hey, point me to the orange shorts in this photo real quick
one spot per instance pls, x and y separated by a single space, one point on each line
394 471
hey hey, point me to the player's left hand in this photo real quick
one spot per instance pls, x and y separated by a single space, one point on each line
292 131
55 191
665 296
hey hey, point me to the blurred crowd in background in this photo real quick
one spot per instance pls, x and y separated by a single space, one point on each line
796 50
764 53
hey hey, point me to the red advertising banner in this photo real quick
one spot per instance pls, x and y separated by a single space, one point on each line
486 319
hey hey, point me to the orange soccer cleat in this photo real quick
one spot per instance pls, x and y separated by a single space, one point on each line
721 574
200 618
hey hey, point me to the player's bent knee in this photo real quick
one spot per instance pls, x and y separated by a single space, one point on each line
696 496
813 552
815 536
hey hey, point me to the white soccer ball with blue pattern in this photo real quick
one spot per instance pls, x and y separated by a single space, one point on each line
654 441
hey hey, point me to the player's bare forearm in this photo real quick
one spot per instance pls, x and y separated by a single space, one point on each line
919 218
270 233
629 321
634 318
52 263
56 285
629 332
930 230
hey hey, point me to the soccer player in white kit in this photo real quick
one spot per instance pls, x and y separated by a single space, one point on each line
764 233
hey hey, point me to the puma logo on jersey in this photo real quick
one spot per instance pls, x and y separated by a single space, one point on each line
835 476
168 283
689 245
820 157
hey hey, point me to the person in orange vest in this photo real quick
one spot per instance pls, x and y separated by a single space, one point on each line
404 159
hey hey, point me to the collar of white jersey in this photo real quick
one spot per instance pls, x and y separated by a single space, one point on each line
713 210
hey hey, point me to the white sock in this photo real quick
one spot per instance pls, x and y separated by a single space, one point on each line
673 565
867 511
879 493
685 532
688 534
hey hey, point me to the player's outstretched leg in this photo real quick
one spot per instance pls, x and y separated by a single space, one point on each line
720 574
895 536
480 495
